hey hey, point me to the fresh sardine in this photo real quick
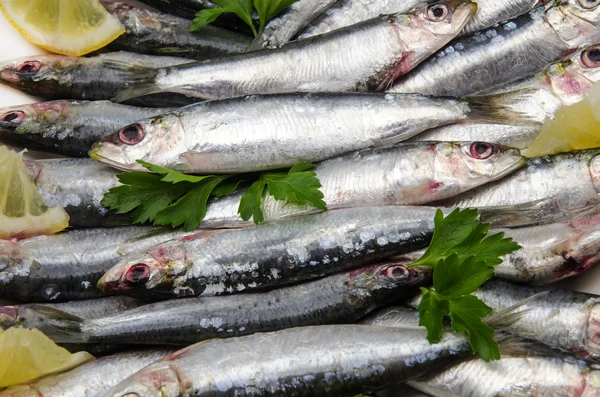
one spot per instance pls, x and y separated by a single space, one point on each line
327 360
271 254
151 32
513 50
350 12
405 174
67 266
91 379
290 22
273 131
341 298
364 57
78 185
527 103
24 316
68 128
545 190
95 78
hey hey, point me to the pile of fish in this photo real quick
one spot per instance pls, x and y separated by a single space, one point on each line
405 106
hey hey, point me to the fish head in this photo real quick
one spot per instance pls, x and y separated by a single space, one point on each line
572 77
31 118
461 166
153 272
575 21
157 380
157 140
37 75
445 19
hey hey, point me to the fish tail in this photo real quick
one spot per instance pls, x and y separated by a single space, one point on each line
136 91
506 317
60 326
497 109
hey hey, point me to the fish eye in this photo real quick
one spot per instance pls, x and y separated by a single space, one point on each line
591 57
131 395
28 68
588 4
138 274
395 272
15 117
481 150
438 12
132 134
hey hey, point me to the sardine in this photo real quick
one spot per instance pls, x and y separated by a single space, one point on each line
24 316
290 22
68 128
341 298
528 370
545 190
350 12
364 57
513 50
271 254
404 174
273 131
327 360
527 103
151 32
67 266
91 379
78 186
95 78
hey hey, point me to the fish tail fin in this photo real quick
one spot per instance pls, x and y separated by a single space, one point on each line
136 91
506 317
498 108
60 326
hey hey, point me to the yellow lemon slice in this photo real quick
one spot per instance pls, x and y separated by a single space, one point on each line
29 354
68 27
23 211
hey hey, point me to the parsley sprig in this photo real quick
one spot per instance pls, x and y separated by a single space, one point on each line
167 197
266 9
463 258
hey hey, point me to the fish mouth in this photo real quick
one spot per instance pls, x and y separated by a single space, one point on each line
101 152
463 12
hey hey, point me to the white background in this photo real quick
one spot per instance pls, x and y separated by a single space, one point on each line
13 45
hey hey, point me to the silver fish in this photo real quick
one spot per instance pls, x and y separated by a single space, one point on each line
271 254
511 51
67 266
289 23
91 379
404 174
364 57
273 131
94 78
68 128
151 32
327 360
341 298
78 186
26 317
527 103
350 12
545 190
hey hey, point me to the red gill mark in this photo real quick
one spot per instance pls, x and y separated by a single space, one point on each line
434 185
200 235
157 377
571 85
404 65
43 107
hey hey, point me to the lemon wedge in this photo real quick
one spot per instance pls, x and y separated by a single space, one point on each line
29 354
68 27
573 127
23 211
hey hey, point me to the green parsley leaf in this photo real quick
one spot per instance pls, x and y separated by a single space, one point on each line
226 188
466 314
299 185
268 9
251 202
449 232
242 8
206 17
491 249
191 208
432 311
453 278
173 176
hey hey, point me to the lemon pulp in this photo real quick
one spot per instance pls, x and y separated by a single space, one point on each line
23 211
29 354
68 27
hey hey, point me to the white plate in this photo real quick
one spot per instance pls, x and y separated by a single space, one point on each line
14 46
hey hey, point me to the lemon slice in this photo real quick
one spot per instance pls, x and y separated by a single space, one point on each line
29 354
23 211
68 27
